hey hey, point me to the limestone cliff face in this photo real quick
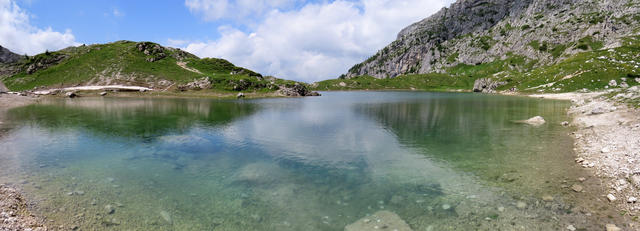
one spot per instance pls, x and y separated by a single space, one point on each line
481 31
8 57
9 62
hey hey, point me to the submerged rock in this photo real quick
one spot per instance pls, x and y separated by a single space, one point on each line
381 220
166 216
535 121
109 209
577 188
259 173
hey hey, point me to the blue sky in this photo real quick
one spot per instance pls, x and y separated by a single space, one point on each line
293 39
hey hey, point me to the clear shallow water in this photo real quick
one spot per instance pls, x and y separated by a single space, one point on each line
441 161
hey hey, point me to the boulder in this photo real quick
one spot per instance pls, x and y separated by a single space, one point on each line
486 85
240 95
103 93
71 94
624 85
296 90
3 88
612 227
198 84
381 220
536 121
613 83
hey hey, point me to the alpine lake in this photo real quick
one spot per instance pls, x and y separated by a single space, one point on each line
439 161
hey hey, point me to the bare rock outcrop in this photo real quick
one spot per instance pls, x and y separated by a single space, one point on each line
486 85
8 57
296 90
154 51
474 32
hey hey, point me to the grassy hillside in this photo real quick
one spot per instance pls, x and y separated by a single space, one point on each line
591 70
132 63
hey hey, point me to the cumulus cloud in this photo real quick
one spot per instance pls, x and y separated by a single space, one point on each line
212 10
315 41
18 35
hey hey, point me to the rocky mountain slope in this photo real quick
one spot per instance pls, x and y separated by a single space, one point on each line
506 36
8 57
144 64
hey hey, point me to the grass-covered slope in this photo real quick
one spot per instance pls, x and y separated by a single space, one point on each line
592 69
131 63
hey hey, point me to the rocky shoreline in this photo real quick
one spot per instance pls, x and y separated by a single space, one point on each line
607 140
14 213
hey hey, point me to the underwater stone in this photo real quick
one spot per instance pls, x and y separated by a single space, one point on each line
576 188
385 220
109 209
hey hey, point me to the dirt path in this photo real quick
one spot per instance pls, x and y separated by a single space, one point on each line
184 66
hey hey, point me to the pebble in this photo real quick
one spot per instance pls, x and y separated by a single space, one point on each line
570 227
109 209
577 188
446 206
632 200
582 179
521 205
605 150
612 227
501 209
166 216
547 198
611 197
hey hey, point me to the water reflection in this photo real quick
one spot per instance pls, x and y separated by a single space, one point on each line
477 135
280 164
129 117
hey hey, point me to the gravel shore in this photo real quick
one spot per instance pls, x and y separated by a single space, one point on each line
14 214
10 100
607 140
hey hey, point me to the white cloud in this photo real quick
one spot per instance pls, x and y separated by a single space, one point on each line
212 10
19 36
117 13
318 40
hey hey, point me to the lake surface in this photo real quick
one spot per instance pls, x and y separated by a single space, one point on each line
441 161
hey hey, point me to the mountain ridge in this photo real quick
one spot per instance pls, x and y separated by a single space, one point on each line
144 64
481 31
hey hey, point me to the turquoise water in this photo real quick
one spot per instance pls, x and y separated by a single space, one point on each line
441 161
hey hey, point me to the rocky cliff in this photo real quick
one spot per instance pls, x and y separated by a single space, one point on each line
474 32
8 57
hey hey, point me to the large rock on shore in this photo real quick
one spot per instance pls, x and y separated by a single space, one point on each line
486 85
381 220
296 90
3 88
